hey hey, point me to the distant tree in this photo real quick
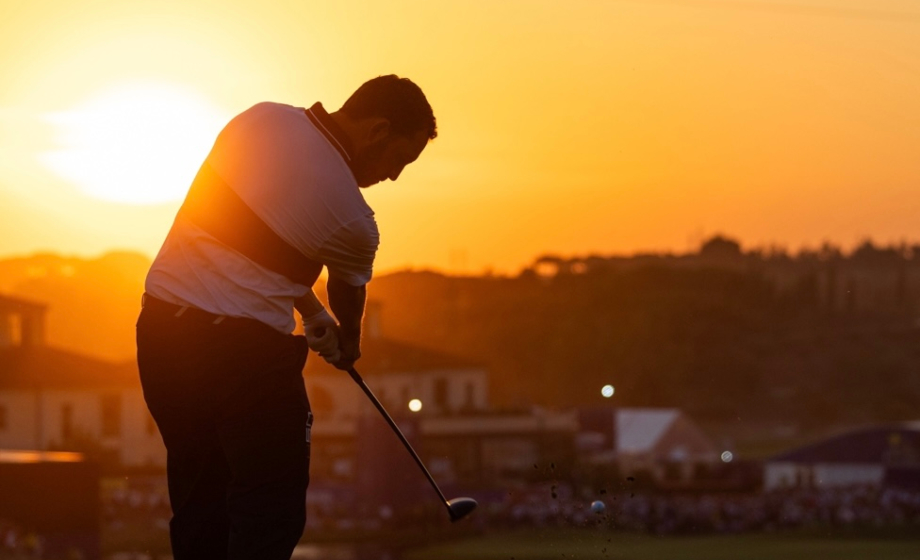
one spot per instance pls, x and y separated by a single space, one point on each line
868 254
548 265
829 252
721 247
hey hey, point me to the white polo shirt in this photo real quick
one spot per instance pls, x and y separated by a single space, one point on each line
290 166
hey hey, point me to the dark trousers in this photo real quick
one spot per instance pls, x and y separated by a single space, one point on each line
229 400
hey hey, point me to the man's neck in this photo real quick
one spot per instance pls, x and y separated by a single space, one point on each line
351 129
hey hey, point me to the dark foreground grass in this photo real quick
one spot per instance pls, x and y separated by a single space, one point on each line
598 545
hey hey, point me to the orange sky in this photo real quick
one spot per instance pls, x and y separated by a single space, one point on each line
567 127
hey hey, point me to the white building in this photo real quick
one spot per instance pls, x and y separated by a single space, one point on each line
51 399
874 456
458 433
662 443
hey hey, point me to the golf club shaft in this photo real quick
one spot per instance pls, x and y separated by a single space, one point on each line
367 391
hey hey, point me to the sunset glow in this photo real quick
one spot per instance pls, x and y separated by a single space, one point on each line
607 127
136 144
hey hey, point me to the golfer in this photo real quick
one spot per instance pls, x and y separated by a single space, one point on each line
276 200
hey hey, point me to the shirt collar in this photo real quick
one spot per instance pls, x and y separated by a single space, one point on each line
332 131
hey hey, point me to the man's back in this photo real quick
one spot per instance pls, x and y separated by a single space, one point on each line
288 172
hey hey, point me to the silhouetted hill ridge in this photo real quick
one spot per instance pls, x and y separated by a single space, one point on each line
815 338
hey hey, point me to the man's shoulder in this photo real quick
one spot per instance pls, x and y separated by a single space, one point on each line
269 113
265 106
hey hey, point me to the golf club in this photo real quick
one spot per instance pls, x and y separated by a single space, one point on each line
457 508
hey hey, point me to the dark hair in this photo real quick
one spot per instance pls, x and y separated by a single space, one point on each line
396 99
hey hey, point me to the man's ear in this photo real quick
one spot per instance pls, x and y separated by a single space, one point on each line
379 130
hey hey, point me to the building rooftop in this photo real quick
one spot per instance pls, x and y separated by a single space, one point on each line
44 367
639 429
18 305
874 445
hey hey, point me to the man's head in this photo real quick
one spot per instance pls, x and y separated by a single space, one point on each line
389 122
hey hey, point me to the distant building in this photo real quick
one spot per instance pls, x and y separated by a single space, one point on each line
887 455
662 444
458 434
22 323
51 399
398 373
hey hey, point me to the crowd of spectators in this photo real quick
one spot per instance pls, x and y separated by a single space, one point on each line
18 542
546 505
148 501
669 513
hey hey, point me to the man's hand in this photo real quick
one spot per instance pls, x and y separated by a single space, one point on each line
349 352
347 302
322 334
340 351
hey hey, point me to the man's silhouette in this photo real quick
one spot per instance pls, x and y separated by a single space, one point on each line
276 200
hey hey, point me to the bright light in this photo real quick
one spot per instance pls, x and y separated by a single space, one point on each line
415 405
607 391
137 144
727 456
40 456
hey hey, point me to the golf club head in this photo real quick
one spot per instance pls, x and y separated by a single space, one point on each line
458 508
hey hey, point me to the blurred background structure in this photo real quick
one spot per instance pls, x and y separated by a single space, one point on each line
775 420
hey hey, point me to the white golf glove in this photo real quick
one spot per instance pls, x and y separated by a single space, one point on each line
322 335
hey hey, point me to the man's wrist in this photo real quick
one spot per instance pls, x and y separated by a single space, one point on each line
321 319
350 332
308 305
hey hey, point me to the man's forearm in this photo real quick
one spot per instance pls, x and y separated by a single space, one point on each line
308 305
347 303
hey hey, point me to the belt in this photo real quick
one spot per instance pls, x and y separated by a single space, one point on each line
159 306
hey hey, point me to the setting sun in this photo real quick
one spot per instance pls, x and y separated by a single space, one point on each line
627 126
134 144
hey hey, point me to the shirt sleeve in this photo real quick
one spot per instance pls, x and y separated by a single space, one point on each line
349 253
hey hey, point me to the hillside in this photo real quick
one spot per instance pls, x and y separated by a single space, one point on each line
725 346
815 340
